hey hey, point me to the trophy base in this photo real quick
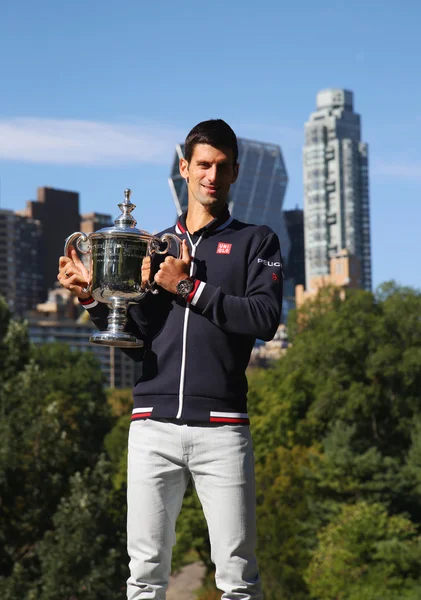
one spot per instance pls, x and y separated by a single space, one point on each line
118 340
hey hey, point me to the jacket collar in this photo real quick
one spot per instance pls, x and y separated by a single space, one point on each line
216 224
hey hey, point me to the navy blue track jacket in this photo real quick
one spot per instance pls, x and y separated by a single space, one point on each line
196 352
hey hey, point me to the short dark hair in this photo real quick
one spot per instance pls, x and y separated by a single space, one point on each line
214 132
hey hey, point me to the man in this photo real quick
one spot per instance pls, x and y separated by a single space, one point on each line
190 407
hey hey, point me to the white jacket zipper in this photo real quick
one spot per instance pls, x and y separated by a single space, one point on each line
186 320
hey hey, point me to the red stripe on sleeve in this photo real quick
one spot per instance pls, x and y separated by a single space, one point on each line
194 290
87 300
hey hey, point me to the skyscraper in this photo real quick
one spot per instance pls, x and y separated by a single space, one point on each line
258 194
21 280
295 262
336 196
58 213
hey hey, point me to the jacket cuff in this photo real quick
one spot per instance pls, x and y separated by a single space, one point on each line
201 294
88 302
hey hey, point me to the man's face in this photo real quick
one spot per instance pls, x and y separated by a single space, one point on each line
209 174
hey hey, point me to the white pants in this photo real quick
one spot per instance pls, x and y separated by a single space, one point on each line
162 456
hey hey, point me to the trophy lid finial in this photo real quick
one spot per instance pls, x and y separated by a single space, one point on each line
125 220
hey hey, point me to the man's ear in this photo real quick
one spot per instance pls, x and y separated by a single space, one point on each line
184 169
235 175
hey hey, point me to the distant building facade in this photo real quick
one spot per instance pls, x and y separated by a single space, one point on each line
57 211
336 187
295 261
90 222
344 273
57 320
21 279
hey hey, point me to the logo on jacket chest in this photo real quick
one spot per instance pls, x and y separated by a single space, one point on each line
223 248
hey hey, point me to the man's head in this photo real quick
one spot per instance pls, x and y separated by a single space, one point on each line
214 132
210 162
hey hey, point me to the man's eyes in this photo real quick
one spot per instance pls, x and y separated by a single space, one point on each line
204 165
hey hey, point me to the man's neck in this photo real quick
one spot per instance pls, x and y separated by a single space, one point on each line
199 216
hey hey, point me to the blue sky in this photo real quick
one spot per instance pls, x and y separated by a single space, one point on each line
94 96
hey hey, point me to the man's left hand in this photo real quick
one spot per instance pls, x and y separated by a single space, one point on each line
173 270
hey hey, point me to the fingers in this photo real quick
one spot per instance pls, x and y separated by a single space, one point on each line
159 278
185 257
170 263
146 262
171 270
67 268
146 270
72 277
75 258
78 262
63 260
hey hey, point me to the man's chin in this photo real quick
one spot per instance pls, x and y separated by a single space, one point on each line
209 201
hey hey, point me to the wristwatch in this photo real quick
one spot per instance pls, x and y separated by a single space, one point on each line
184 287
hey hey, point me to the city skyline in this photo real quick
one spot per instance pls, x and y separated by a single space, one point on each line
104 110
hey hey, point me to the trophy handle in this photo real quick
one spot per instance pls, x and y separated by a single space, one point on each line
154 248
76 239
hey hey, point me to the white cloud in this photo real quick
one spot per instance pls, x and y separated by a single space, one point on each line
69 141
397 170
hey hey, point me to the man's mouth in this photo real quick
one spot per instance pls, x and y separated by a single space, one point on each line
211 188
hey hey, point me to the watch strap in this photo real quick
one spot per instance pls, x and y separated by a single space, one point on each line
184 287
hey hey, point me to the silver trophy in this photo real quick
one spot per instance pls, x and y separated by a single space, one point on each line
115 276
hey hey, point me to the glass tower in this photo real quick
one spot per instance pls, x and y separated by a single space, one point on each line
336 196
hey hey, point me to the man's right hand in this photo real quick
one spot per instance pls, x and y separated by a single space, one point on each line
73 275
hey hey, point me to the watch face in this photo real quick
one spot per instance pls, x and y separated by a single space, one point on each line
184 287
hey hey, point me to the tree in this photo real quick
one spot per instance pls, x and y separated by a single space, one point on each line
365 554
349 387
337 434
53 420
287 519
84 556
359 362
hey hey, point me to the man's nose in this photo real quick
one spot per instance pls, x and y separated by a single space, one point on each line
212 173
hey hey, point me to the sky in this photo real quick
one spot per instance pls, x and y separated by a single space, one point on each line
95 95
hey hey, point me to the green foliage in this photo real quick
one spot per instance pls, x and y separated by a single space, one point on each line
14 344
337 434
120 401
366 554
350 388
84 556
54 420
54 417
286 519
116 446
357 362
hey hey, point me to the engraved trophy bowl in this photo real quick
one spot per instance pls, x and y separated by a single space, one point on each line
116 255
